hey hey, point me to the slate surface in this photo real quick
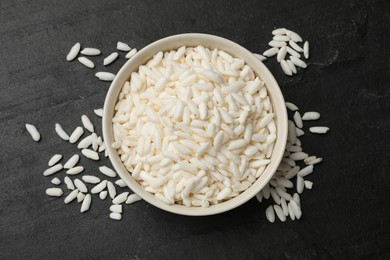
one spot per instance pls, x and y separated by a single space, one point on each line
345 216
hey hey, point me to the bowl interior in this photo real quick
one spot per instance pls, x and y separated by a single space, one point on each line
210 41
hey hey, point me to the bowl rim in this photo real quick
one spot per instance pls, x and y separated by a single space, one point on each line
190 40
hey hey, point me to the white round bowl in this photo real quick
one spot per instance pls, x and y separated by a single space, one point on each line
209 41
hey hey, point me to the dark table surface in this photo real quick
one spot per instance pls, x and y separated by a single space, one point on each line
347 213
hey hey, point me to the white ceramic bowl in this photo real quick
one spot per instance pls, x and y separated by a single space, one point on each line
210 41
